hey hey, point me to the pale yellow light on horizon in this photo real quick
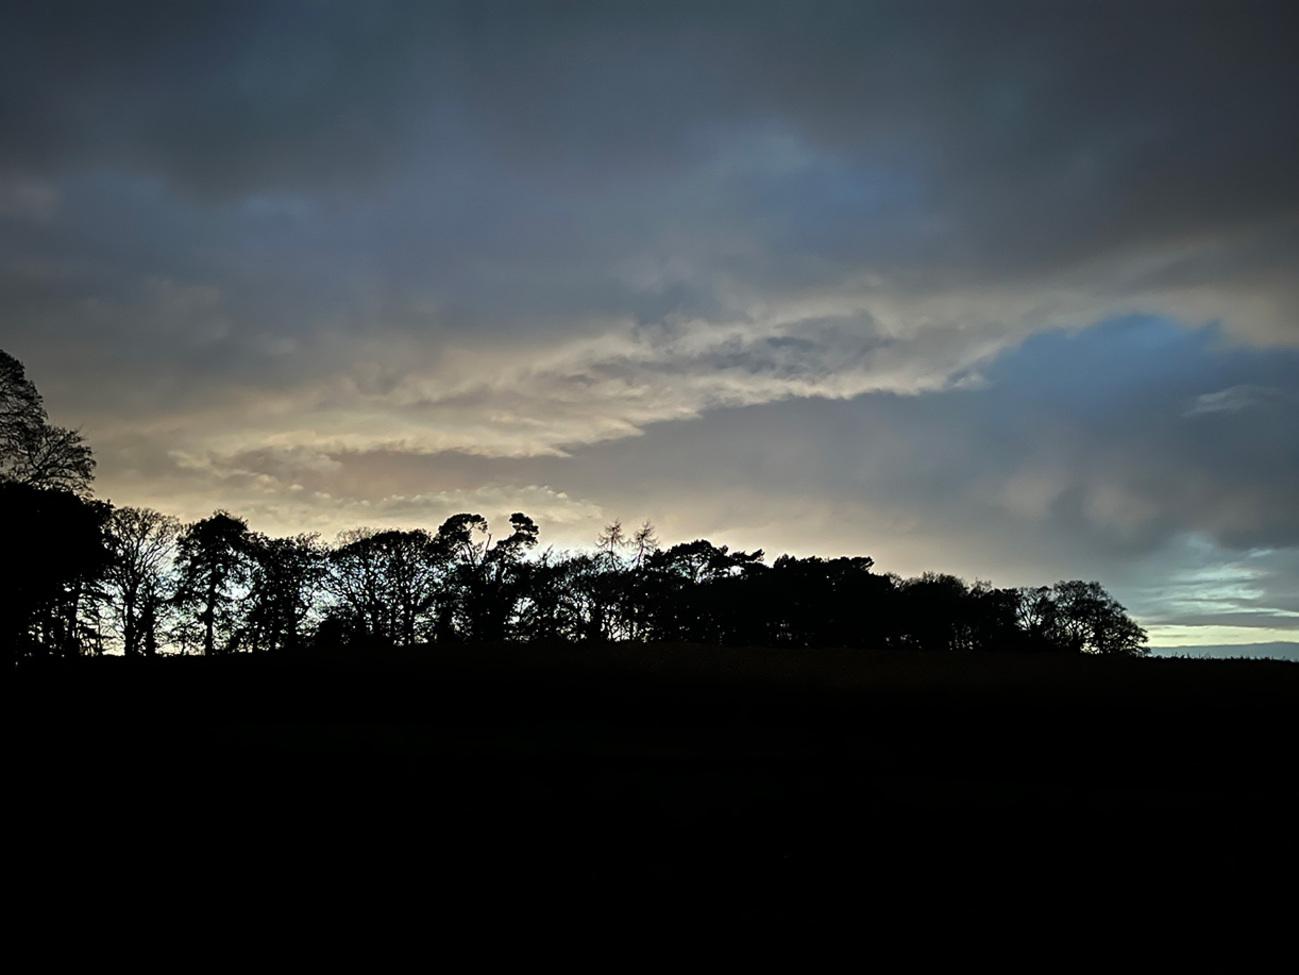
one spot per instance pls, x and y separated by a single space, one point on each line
1179 635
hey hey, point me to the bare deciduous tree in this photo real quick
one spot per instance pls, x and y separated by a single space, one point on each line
142 543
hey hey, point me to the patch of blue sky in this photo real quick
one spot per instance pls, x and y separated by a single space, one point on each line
1145 371
1200 577
1115 359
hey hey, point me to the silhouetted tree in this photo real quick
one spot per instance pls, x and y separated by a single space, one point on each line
213 563
609 545
667 598
994 618
142 543
637 586
356 582
601 588
811 602
48 577
32 451
20 403
937 609
646 541
595 590
462 540
485 582
386 585
552 605
1035 618
498 584
1087 619
286 574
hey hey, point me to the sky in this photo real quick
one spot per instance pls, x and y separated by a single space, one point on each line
1006 290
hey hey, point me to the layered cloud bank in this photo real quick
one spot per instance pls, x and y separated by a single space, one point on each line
1007 289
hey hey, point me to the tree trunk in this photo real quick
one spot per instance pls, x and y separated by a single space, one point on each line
209 617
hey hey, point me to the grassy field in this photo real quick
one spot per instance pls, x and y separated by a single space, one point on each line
686 781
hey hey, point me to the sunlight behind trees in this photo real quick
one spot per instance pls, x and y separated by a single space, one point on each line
93 578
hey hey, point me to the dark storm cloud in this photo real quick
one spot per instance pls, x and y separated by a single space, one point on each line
546 163
484 168
218 97
1041 132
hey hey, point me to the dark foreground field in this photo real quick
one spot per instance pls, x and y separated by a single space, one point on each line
668 782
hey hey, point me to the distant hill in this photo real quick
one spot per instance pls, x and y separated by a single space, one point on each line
1280 650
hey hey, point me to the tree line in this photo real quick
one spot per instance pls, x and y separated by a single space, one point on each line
85 577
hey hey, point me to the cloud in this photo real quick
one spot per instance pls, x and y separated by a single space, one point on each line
1233 399
969 141
32 199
